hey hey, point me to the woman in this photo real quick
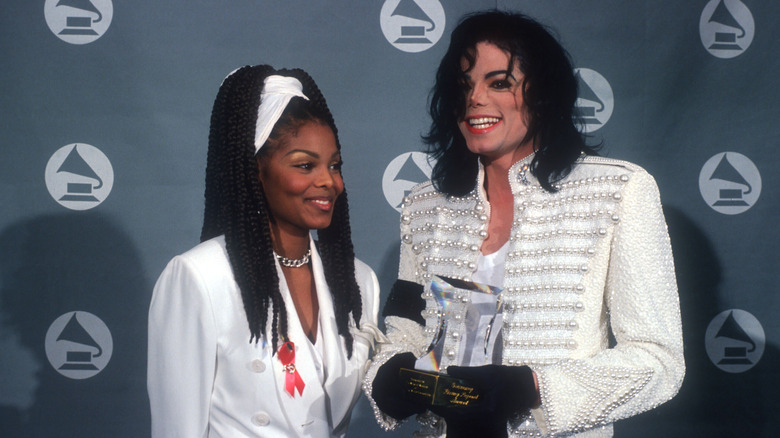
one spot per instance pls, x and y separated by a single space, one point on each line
578 243
260 331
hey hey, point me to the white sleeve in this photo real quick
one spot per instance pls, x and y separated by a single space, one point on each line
646 366
369 288
182 352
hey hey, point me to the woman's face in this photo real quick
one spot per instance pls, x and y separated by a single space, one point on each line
494 123
302 179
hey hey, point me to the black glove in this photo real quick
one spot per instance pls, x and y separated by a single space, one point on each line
387 390
504 391
459 428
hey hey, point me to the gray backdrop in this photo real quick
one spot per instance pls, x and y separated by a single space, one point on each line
104 115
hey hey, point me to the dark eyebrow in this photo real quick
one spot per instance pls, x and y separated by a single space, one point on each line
304 151
506 73
489 75
336 155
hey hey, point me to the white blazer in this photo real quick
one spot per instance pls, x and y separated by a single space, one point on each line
205 379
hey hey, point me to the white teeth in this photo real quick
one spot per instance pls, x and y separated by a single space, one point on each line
320 202
483 122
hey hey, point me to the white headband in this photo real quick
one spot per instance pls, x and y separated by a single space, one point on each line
277 92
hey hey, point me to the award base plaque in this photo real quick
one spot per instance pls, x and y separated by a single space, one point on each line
435 389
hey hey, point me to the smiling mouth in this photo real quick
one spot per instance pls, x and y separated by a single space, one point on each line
480 123
323 204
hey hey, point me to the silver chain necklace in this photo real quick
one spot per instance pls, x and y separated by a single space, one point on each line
294 263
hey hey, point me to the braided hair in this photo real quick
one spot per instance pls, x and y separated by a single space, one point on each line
236 205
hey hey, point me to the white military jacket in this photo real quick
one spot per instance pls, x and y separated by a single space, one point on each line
205 379
586 262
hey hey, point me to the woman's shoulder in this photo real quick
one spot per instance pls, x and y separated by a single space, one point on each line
197 272
362 269
365 276
206 251
207 258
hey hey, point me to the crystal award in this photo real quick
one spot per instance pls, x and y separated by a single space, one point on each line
467 333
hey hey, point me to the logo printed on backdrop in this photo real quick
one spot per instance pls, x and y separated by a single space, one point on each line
404 172
595 100
78 21
412 25
79 176
78 345
730 183
726 28
734 341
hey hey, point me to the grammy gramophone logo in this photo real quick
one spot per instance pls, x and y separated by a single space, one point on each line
78 21
79 176
730 183
412 25
78 345
404 172
595 100
735 341
726 28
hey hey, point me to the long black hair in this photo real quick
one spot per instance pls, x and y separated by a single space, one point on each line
236 205
549 95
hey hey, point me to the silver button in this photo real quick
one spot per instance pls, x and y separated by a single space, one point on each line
261 419
258 366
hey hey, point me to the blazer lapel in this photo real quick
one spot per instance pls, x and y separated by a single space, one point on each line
303 411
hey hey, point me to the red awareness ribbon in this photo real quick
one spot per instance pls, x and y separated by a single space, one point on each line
292 379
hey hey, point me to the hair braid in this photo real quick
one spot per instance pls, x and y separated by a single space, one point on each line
338 258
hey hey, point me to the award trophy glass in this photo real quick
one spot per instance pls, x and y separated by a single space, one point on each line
467 333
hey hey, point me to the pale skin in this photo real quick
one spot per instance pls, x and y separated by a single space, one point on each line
301 178
495 127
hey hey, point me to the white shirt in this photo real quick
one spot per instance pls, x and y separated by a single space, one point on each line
490 268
